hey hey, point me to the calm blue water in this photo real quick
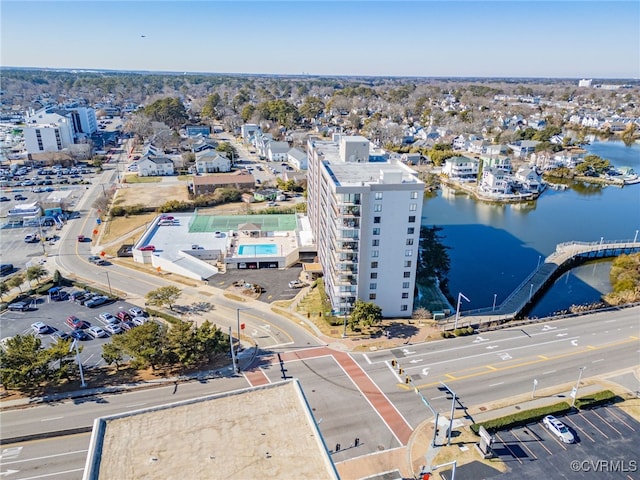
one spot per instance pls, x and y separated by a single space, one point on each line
495 247
262 249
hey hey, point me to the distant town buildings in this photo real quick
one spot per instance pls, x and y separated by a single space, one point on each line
365 217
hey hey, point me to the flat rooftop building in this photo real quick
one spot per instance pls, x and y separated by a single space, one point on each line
364 212
260 432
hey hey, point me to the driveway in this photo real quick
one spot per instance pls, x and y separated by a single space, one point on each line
274 282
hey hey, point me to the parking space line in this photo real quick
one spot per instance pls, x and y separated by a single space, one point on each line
606 421
576 426
590 423
621 420
538 438
553 437
513 454
524 445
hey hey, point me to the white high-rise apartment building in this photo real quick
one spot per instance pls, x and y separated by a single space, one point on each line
365 217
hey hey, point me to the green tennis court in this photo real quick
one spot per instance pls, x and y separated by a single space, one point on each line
223 223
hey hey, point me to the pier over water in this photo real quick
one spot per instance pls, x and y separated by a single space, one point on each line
565 256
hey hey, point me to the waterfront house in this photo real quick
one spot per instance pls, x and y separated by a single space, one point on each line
461 168
530 178
500 162
495 181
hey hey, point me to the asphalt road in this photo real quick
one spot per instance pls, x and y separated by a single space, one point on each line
495 365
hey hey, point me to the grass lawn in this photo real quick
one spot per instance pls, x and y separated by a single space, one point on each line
123 228
136 179
185 178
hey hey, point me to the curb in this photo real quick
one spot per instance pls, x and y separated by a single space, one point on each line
43 435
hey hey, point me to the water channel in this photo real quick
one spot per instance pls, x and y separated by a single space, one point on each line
493 247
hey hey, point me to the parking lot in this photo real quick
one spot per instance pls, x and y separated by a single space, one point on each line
274 282
54 315
606 446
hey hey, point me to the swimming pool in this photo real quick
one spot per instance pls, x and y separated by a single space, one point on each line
255 250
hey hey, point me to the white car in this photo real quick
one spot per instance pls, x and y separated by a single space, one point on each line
113 328
136 312
40 327
106 317
137 321
96 332
558 428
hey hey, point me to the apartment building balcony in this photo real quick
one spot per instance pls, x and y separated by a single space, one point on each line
347 246
345 280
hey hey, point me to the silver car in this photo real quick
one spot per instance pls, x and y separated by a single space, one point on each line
558 428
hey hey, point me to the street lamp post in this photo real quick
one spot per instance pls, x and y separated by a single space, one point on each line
495 296
233 354
574 392
75 345
238 322
635 238
533 392
109 283
530 292
539 258
460 297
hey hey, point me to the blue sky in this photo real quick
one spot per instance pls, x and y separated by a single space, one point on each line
591 39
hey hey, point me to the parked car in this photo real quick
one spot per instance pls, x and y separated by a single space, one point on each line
96 332
81 238
31 238
147 248
79 335
123 316
136 312
137 321
77 324
296 284
20 306
113 328
128 325
558 428
107 317
40 327
60 335
97 301
4 199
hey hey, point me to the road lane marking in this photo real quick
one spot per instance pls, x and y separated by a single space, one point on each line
492 368
523 444
591 423
611 412
599 360
549 372
12 452
45 457
50 418
438 397
517 457
53 474
496 384
533 361
136 404
448 375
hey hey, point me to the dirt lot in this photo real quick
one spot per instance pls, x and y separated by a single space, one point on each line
151 194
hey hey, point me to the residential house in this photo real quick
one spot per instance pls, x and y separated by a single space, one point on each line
499 162
479 147
201 143
495 181
249 130
297 159
530 178
461 168
523 148
206 184
195 130
152 166
211 161
277 151
495 150
266 194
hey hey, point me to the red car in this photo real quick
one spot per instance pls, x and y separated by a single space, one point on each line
123 316
81 238
147 248
75 323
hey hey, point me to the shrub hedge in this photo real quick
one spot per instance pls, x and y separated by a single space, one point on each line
521 418
600 398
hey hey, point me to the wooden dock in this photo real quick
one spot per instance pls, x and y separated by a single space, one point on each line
566 256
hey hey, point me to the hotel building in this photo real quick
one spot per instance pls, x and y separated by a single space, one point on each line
365 214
